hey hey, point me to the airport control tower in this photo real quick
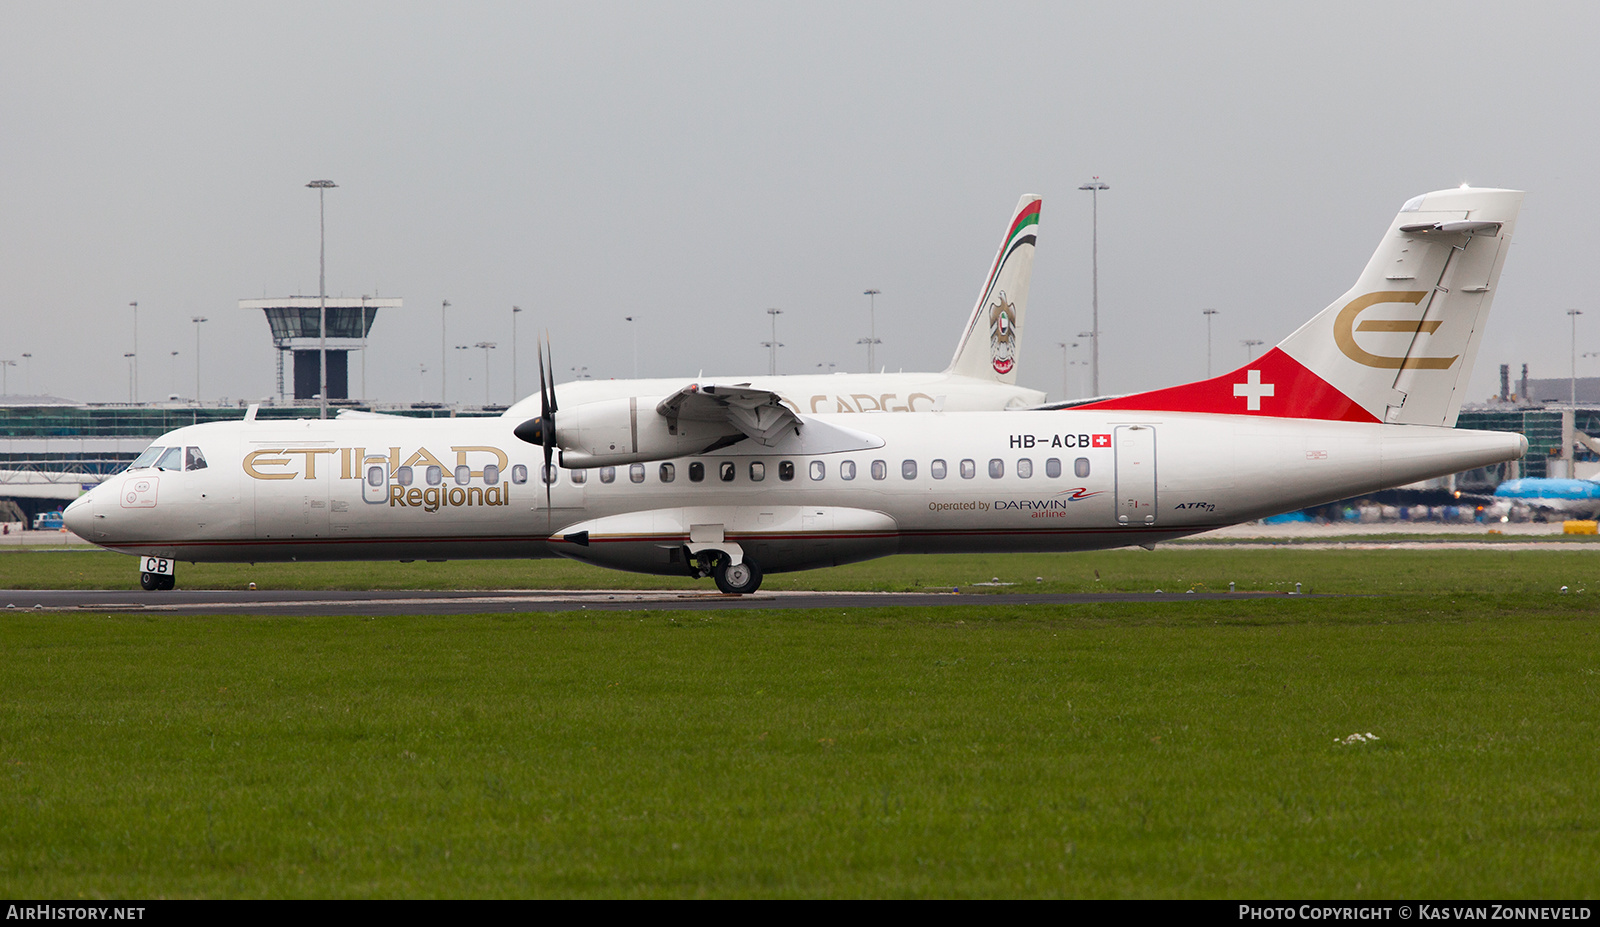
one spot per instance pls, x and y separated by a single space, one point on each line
294 331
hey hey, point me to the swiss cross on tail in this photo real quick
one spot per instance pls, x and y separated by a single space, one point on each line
1276 385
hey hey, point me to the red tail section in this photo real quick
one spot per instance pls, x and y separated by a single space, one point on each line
1275 385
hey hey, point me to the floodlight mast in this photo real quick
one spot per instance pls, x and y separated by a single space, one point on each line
871 341
1208 313
1094 187
322 187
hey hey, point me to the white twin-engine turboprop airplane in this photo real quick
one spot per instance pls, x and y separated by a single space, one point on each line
728 481
982 375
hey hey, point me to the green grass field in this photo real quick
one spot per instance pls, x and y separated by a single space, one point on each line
1192 749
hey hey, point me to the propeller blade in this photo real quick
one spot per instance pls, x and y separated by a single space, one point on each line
547 427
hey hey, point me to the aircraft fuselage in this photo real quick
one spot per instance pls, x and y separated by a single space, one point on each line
939 482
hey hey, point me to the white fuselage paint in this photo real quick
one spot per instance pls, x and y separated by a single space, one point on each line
295 490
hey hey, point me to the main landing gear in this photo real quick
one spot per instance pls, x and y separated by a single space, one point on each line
742 578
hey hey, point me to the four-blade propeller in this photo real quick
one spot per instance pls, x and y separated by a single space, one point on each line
542 430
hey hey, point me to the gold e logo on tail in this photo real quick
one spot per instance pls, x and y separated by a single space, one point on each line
1344 329
1002 334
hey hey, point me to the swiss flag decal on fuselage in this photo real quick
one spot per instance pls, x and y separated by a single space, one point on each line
1276 385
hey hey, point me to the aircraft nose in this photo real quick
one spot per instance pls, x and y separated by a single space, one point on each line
79 515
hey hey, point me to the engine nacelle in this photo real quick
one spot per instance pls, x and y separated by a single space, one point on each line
610 432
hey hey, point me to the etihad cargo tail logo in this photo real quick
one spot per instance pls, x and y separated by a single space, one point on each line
1003 334
1344 329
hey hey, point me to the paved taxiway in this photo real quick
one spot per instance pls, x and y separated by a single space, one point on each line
275 602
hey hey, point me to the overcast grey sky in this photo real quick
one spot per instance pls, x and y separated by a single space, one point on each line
692 164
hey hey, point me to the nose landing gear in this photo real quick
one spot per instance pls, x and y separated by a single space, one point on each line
157 574
157 582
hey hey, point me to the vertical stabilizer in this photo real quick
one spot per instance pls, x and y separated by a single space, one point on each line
1399 346
990 344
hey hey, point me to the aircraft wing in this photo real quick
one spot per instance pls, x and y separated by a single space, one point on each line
758 413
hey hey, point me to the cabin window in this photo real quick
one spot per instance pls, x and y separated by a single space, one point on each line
668 472
820 469
194 460
1081 466
491 474
577 476
1025 468
434 475
463 475
147 458
968 469
726 471
880 470
403 476
171 460
519 474
997 468
908 469
847 470
938 470
786 470
374 476
549 474
697 472
608 474
636 472
758 471
1052 467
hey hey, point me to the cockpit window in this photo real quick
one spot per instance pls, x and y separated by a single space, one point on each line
171 460
194 459
147 458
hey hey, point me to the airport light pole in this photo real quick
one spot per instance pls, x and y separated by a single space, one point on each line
322 187
1250 345
871 340
1208 313
635 329
133 378
773 345
172 372
129 356
27 372
197 320
487 346
1094 187
1573 376
1064 345
444 354
462 347
5 382
515 311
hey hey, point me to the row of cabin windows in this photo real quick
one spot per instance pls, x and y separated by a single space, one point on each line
727 470
433 476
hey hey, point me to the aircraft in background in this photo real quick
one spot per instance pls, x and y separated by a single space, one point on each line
1562 498
731 482
982 375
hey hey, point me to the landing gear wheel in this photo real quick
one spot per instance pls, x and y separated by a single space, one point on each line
742 579
155 582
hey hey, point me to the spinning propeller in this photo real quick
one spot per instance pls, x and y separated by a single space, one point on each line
542 430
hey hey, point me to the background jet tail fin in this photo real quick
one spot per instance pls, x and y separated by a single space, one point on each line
1399 346
990 344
